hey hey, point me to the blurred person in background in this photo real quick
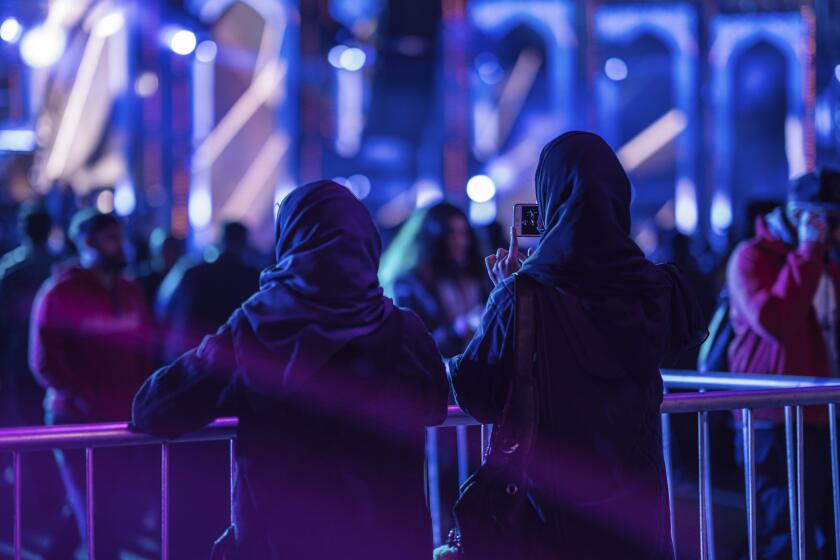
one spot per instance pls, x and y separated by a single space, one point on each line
22 271
90 349
164 252
333 386
195 299
783 290
447 285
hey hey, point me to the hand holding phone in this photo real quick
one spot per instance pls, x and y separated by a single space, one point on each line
504 262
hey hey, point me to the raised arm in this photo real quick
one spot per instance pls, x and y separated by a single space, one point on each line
776 304
480 375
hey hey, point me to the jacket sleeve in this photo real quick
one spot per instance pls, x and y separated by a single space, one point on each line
48 332
775 304
481 374
191 392
429 386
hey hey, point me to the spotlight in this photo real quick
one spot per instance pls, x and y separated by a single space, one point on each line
481 188
334 56
837 72
352 59
10 30
109 24
42 46
615 69
206 51
182 42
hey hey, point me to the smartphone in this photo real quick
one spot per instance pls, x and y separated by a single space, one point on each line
527 221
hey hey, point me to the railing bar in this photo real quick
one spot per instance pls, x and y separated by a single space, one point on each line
666 452
232 447
89 525
710 504
434 484
486 432
835 475
462 443
16 472
800 479
791 480
748 433
701 474
164 501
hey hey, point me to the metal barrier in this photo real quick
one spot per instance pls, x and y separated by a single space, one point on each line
796 393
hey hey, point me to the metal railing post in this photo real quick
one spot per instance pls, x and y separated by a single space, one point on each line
835 475
89 525
701 474
710 504
791 479
232 483
434 484
800 479
486 431
748 433
16 472
164 501
669 477
463 454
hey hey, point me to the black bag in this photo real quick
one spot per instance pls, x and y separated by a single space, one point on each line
714 352
493 514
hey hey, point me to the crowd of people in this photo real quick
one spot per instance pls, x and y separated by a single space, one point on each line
338 356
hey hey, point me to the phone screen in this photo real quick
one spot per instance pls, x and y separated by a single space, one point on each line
527 220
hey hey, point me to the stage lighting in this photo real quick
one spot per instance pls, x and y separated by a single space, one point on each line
10 30
334 56
837 72
200 208
352 59
42 46
206 51
109 24
615 69
124 198
482 213
182 42
481 188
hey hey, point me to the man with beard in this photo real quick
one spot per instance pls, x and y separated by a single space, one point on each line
91 345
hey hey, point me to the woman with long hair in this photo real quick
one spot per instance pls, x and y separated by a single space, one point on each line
446 284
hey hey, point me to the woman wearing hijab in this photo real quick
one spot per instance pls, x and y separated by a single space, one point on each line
606 319
333 386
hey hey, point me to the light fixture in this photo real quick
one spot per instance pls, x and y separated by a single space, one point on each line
481 188
10 30
42 46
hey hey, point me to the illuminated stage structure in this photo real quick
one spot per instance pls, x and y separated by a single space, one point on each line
183 114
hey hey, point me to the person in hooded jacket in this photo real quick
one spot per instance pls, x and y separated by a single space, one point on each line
606 319
333 386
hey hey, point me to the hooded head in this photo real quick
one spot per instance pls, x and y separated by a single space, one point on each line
323 290
584 197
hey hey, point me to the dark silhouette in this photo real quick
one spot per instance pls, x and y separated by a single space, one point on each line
91 348
447 287
783 288
164 252
22 271
333 386
195 299
606 318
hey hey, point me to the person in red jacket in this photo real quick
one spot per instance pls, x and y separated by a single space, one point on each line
784 287
91 347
